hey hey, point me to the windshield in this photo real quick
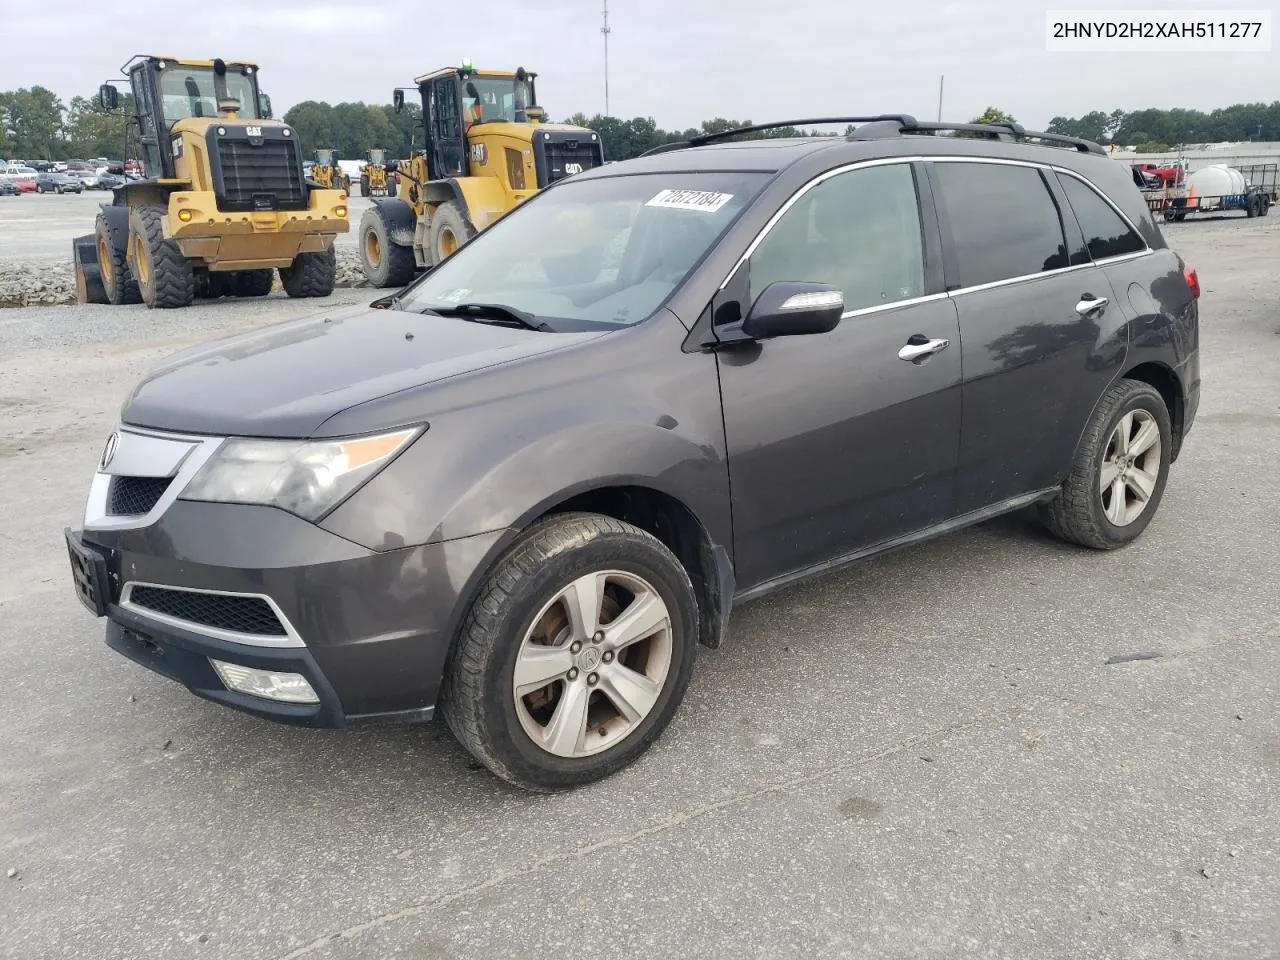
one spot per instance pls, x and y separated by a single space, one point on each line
592 254
486 99
377 156
189 92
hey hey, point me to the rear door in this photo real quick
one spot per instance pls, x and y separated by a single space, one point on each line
1041 328
835 441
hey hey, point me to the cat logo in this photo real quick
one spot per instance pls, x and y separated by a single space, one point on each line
478 153
253 131
571 168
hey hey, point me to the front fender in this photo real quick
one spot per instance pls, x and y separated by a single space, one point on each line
507 444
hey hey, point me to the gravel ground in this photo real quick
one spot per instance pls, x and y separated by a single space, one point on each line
926 756
35 246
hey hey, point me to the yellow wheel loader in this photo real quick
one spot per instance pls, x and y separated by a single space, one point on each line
223 202
374 178
328 173
487 148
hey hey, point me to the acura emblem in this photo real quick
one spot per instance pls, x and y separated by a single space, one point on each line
109 451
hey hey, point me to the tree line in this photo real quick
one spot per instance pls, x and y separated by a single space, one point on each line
36 125
1158 131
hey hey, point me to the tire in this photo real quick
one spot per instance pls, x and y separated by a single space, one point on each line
252 283
1079 514
39 189
312 274
449 231
364 186
113 266
385 264
211 285
478 697
164 275
1251 207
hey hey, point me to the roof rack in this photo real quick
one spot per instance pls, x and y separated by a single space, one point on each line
901 118
893 125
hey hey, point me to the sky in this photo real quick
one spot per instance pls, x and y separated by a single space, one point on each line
678 61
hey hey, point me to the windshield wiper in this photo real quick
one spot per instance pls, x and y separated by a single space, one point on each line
479 311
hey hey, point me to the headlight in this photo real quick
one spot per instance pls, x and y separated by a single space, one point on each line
303 477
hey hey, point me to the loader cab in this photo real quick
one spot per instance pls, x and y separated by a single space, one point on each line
456 100
377 156
167 91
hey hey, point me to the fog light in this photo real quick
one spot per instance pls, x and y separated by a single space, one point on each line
184 215
289 687
340 211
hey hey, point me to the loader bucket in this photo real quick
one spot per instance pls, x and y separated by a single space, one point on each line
89 288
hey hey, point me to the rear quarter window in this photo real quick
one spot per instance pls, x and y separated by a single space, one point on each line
1106 233
1003 221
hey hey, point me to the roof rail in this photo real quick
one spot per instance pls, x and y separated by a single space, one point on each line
902 119
996 131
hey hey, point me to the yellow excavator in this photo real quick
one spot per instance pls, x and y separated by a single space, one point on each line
487 148
223 202
374 179
327 172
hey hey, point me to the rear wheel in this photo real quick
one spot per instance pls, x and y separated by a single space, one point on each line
113 266
364 186
164 275
575 655
312 274
449 230
1119 475
252 283
385 264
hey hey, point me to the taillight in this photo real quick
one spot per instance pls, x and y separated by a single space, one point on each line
1193 281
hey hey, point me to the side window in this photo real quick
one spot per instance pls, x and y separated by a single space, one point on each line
1004 221
859 232
446 111
1105 232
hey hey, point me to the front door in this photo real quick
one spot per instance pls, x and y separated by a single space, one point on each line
843 440
448 149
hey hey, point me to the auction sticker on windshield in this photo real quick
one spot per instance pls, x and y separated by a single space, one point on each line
705 200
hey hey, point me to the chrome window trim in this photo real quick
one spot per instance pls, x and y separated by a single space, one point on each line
96 516
1000 161
291 637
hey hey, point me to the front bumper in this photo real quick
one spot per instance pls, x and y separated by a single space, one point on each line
369 630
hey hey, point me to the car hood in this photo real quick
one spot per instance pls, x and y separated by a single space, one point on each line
286 380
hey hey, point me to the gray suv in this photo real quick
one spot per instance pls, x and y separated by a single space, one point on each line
525 489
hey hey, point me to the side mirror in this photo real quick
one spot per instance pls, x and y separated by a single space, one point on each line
789 309
108 97
397 99
264 106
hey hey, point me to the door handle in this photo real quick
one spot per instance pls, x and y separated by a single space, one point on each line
1089 303
921 349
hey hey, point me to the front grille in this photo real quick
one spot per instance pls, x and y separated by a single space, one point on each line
134 496
560 156
251 615
265 175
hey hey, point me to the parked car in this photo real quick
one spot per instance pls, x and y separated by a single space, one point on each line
109 181
88 178
74 165
41 166
7 189
51 182
18 171
25 183
526 488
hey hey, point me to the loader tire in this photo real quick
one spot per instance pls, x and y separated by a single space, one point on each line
113 265
385 263
449 231
252 283
164 275
364 186
312 274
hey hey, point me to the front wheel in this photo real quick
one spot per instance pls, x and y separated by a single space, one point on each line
1120 470
164 275
312 274
575 655
449 231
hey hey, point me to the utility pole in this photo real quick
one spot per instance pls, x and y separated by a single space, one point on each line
605 31
940 81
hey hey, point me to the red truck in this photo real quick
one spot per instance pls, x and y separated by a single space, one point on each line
1169 175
